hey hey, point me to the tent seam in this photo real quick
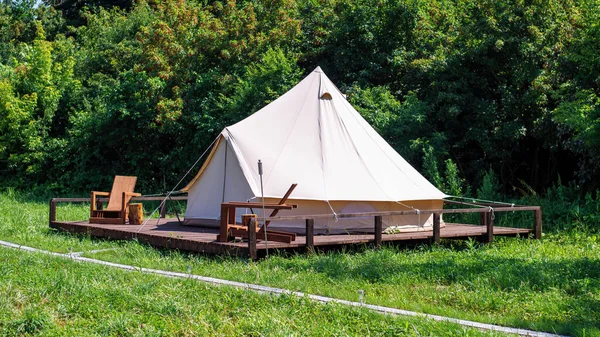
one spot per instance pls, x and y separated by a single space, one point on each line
288 137
240 157
364 164
386 155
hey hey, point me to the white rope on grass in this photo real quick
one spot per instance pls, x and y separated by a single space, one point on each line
92 251
279 291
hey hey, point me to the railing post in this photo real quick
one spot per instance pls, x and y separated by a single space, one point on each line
252 239
489 235
378 230
163 209
52 215
537 229
224 229
436 228
483 219
310 235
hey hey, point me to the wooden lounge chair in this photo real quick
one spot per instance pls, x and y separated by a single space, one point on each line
118 200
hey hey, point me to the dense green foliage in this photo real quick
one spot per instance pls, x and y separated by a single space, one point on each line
494 99
551 284
509 87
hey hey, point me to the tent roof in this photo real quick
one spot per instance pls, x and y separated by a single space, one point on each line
312 136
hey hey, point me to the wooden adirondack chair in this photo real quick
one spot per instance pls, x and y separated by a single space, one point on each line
118 199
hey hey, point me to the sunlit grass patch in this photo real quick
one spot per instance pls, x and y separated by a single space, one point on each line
53 296
549 285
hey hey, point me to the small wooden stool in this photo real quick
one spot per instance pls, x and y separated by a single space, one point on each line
136 214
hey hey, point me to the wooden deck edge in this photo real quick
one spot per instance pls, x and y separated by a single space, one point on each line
241 249
153 240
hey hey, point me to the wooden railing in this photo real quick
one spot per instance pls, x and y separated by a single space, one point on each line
54 201
486 219
485 210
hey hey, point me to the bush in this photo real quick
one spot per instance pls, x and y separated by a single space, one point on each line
490 187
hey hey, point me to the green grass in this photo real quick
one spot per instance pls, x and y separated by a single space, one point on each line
552 285
549 285
50 296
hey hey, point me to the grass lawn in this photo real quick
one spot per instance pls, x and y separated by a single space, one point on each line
44 295
550 285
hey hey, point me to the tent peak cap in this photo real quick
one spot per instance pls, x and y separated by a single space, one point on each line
318 70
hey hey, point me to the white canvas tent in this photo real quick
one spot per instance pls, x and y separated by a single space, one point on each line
311 136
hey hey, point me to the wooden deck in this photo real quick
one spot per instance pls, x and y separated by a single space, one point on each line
168 233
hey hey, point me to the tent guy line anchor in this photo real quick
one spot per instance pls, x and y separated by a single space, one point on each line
279 291
262 193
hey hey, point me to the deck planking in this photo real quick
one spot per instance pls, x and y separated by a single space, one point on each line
168 233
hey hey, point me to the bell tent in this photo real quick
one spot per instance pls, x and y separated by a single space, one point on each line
311 136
